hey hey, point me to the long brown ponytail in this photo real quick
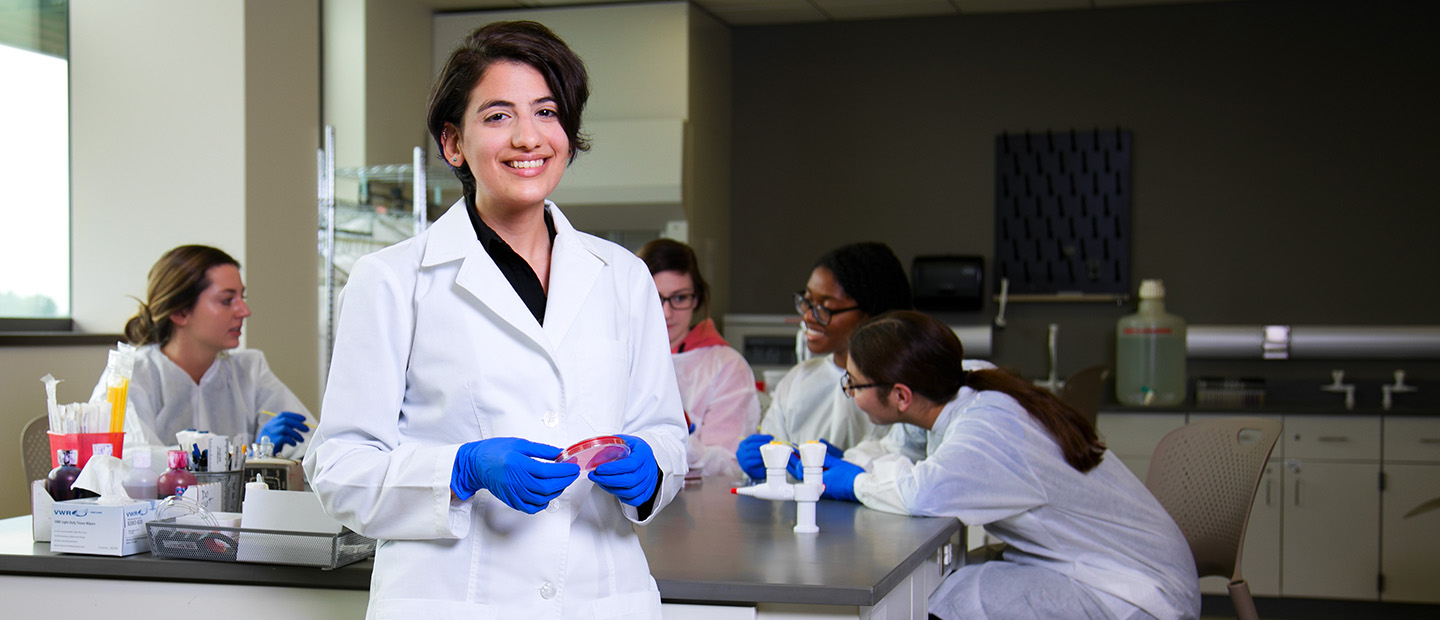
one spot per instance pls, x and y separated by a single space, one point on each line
924 354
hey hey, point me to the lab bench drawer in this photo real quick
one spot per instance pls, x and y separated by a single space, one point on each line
1354 438
1412 439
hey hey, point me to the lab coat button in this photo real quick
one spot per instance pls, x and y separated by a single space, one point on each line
553 507
547 591
550 419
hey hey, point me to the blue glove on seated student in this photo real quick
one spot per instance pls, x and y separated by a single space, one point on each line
798 471
633 478
748 455
840 479
284 429
503 465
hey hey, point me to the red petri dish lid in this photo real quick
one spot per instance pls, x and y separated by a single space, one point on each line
594 452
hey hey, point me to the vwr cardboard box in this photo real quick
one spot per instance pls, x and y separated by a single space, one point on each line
83 526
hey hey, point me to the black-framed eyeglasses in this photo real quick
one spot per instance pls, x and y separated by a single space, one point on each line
680 301
821 313
849 388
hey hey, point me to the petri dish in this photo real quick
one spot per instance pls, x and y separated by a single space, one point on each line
595 452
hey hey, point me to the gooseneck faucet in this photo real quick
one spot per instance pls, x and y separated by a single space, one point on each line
1399 387
1338 385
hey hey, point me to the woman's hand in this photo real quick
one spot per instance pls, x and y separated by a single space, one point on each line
633 478
285 430
748 455
507 467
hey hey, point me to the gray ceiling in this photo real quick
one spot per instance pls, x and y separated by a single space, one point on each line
762 12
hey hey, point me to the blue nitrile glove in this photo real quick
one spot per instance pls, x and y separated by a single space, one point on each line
748 455
284 429
797 470
503 465
633 478
840 479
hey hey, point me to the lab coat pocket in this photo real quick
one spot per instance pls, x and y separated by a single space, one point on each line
429 609
597 383
628 605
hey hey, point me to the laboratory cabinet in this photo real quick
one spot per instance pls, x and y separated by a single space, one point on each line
1314 528
1410 511
1331 507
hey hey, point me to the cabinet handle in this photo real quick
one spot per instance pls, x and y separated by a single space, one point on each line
1267 491
1430 440
1331 438
1297 492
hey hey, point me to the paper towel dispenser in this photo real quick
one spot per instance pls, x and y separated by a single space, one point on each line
948 283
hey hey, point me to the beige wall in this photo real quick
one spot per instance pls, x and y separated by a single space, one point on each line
192 122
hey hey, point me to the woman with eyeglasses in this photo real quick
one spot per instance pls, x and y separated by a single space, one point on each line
847 286
1086 539
717 386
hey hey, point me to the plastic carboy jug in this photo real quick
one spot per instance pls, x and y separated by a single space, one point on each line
1150 352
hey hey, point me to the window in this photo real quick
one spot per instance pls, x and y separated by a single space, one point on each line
34 162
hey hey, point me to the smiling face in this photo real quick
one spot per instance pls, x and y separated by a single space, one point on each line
214 322
510 138
677 322
824 290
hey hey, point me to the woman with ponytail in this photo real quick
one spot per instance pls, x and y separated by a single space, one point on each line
186 374
1086 539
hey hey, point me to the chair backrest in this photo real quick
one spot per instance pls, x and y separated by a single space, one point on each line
1205 475
35 450
1084 390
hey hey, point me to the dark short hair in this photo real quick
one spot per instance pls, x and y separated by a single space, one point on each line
175 284
526 42
671 255
871 274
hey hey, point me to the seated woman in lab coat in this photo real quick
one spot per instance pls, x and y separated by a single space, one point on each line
717 386
187 372
467 357
1086 539
847 286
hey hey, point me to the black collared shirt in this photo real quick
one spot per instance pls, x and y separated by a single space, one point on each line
516 270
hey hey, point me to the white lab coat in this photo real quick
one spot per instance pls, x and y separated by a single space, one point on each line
163 399
717 387
907 440
808 405
434 348
991 463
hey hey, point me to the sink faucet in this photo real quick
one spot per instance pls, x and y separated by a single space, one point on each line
1338 385
1052 345
1399 387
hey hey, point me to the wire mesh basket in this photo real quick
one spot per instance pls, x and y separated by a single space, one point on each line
169 539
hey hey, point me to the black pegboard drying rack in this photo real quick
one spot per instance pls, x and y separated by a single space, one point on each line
1062 215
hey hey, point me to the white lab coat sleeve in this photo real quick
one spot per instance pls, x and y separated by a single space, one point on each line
879 487
653 410
728 410
774 423
979 474
364 476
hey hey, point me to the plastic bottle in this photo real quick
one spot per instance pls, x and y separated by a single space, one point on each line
60 482
176 479
140 483
1150 352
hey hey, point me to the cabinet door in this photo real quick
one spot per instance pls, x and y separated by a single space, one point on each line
1332 438
1260 564
1410 545
1331 525
1412 439
1133 436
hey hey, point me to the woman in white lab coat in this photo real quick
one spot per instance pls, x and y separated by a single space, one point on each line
717 386
187 373
1086 539
467 357
847 286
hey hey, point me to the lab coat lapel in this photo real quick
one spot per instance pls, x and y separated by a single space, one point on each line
573 271
452 237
